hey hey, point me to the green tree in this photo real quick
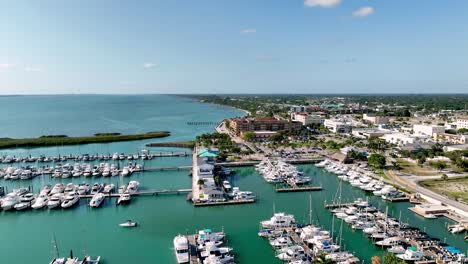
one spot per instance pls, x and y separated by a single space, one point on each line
248 136
438 165
377 160
421 160
396 166
390 258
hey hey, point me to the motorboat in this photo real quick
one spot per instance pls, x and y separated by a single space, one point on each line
125 171
181 249
227 186
40 202
55 201
279 220
411 254
124 198
70 200
291 253
122 189
70 187
211 249
97 200
83 188
281 242
207 235
58 188
397 249
213 259
10 201
22 206
133 187
129 223
97 187
109 188
430 216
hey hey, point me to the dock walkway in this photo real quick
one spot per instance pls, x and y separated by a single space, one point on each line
143 192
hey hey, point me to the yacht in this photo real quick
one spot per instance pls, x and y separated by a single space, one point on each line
40 202
398 249
181 249
281 242
279 220
55 201
207 235
109 188
124 198
122 189
22 206
97 187
291 253
125 171
70 187
97 200
10 201
227 186
132 187
83 188
411 254
70 200
58 188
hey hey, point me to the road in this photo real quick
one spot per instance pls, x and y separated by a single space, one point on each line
411 183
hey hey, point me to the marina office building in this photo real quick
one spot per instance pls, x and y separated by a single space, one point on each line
240 125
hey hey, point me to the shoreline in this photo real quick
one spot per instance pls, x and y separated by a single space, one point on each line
53 140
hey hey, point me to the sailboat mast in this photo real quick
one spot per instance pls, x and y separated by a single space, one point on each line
310 209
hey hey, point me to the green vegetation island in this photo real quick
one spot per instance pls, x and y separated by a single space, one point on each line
53 140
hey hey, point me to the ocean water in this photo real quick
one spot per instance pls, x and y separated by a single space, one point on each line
27 236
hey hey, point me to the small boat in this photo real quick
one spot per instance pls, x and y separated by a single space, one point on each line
22 206
430 216
70 200
97 200
129 223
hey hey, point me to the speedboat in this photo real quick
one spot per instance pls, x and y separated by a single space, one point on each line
58 188
97 200
181 249
125 171
227 186
281 242
291 253
124 198
70 200
398 249
40 202
22 206
97 187
207 235
83 188
430 216
129 223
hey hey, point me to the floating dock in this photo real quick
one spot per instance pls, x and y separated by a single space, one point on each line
228 202
143 192
299 189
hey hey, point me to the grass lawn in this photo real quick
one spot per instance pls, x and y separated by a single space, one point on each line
415 169
454 188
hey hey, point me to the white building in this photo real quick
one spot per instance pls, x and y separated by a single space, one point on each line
306 119
402 139
427 130
369 132
462 123
337 126
376 120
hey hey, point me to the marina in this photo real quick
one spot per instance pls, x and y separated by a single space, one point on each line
161 218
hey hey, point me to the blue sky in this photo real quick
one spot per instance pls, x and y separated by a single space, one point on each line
227 46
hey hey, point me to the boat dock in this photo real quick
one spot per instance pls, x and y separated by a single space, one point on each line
295 188
192 240
168 168
338 205
228 202
143 193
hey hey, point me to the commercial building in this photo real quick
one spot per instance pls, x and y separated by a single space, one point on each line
261 135
306 118
402 139
337 125
428 130
375 119
297 109
462 123
456 147
450 138
367 133
244 124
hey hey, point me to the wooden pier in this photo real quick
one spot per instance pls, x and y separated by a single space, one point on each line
228 202
192 240
405 198
338 205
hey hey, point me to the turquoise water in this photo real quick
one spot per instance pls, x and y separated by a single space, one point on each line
26 236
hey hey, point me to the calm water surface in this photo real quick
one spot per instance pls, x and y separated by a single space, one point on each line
26 236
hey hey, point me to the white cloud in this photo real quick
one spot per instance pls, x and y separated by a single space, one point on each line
249 31
33 69
322 3
149 65
363 11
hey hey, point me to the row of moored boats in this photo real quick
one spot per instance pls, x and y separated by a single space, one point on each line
281 172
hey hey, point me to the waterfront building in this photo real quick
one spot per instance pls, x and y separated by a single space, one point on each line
205 168
462 122
427 130
245 124
261 135
375 119
456 147
337 125
307 119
